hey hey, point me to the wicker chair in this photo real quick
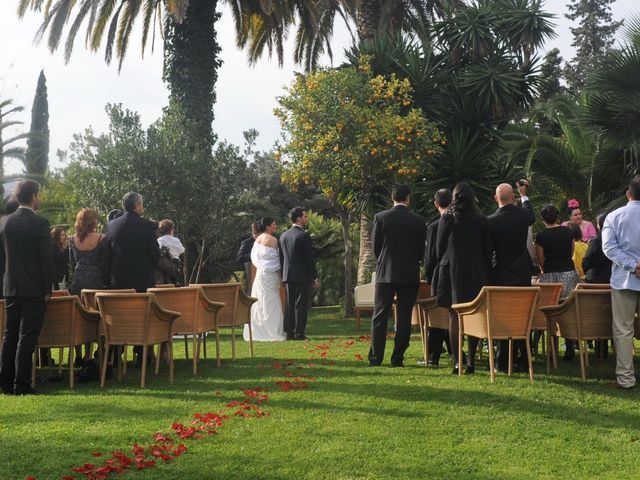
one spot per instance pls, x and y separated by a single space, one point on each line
584 315
136 319
500 313
549 295
198 315
430 316
60 293
165 285
237 309
88 296
67 324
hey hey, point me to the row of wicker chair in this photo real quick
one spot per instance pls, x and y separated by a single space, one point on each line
512 313
124 317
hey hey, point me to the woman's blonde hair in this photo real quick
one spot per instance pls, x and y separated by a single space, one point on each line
86 222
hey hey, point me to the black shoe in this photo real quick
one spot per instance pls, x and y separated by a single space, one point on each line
568 358
78 362
374 364
28 391
290 336
470 370
455 370
397 364
6 390
301 337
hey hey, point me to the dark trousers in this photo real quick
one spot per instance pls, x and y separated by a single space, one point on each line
519 354
295 318
436 337
24 318
383 301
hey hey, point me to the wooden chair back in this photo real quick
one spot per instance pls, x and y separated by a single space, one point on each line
234 312
586 315
549 295
88 296
60 293
134 318
593 286
66 322
424 292
192 305
165 285
502 313
433 315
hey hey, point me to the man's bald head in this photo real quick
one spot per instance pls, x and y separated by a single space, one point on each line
504 194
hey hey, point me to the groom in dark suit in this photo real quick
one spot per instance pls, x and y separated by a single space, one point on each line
398 244
26 265
298 273
509 228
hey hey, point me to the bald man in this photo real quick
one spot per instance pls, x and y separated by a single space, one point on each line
512 267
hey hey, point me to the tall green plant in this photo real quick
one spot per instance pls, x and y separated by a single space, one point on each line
37 156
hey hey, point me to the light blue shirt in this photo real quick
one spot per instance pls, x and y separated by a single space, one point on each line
621 244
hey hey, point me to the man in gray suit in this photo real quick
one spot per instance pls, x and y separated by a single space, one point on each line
298 273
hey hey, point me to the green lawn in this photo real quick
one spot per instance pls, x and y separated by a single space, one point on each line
352 422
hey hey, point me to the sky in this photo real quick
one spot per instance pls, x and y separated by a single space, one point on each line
246 95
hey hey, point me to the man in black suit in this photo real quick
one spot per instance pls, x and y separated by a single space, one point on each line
509 227
132 247
398 238
298 273
244 255
27 269
442 200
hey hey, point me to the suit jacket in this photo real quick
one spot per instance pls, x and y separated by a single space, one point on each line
464 257
398 238
26 261
132 252
296 256
509 227
244 253
431 257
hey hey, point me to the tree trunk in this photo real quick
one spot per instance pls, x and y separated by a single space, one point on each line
366 259
191 62
345 222
367 17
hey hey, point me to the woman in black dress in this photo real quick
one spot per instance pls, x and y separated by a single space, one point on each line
463 248
60 254
87 255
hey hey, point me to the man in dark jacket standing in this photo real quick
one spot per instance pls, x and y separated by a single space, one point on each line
441 200
398 238
132 246
509 228
27 268
298 273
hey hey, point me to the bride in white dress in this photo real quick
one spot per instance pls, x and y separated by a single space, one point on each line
267 320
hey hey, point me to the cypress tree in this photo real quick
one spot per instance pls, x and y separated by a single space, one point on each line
37 157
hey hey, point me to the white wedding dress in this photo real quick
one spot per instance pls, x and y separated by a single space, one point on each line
267 320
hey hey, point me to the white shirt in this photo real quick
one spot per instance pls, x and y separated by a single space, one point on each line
173 244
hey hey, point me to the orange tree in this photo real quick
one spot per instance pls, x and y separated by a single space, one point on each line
349 133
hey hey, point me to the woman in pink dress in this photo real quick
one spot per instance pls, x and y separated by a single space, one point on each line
575 217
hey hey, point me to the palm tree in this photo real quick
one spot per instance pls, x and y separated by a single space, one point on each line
8 146
613 110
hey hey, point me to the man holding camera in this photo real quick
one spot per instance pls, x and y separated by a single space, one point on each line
509 227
